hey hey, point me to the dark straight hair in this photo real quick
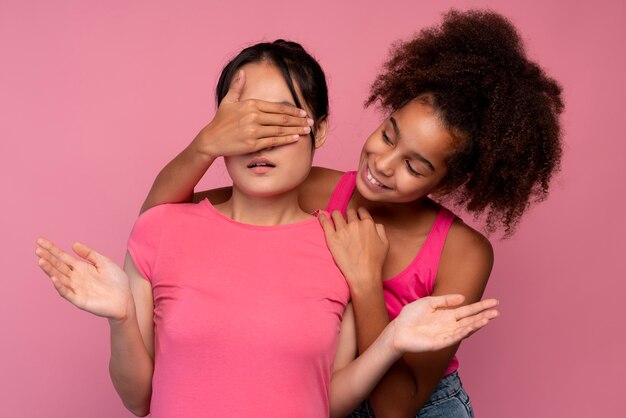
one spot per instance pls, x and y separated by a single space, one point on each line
293 61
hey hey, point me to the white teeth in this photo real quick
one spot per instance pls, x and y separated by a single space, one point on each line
373 180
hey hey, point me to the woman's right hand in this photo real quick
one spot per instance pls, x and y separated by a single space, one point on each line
359 246
244 127
97 285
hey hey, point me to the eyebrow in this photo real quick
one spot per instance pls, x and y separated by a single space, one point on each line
417 155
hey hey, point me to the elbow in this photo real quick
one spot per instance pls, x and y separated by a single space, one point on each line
138 410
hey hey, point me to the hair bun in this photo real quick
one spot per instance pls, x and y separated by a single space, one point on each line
288 44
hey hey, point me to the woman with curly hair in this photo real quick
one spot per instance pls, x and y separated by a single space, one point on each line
196 333
471 122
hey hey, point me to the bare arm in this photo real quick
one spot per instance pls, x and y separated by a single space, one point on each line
99 286
464 268
410 381
367 248
238 127
425 325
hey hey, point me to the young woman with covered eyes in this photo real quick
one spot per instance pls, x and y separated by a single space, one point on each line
196 332
471 120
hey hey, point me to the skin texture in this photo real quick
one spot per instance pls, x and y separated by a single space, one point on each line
407 215
269 197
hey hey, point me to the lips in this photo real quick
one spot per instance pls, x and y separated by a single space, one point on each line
373 181
260 162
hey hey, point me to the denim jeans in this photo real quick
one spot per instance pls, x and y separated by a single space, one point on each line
448 400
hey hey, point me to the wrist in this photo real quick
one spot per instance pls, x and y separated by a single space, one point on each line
388 340
125 317
365 283
199 149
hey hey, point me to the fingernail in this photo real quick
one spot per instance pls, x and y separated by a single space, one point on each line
302 113
295 137
306 130
310 121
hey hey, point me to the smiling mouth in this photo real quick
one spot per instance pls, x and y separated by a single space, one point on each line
374 181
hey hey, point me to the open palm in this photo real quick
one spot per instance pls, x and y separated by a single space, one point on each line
97 285
429 324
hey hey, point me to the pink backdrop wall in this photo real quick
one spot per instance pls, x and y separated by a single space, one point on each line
95 97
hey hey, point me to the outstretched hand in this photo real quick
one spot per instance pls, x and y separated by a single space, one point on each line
246 126
430 323
97 285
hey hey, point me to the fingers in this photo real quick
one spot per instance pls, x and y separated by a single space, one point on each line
57 252
236 88
351 215
446 301
88 254
280 108
54 266
59 280
338 220
327 225
50 269
364 214
262 132
282 119
471 325
273 142
381 233
474 308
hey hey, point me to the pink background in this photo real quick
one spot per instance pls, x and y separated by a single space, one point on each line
95 97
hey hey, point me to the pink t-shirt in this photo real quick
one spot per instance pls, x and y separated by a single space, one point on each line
418 278
246 317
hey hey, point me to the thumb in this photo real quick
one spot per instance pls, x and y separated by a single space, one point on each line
236 88
88 254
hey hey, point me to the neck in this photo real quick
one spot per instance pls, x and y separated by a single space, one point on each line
394 211
264 210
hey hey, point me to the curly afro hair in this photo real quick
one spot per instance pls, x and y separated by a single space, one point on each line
474 71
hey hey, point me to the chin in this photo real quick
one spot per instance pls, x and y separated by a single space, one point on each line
265 191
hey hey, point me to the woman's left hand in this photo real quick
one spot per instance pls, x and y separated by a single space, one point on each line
359 246
435 322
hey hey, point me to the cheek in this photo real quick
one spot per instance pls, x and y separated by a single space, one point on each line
412 188
369 148
299 156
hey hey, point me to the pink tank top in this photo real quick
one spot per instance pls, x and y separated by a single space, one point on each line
418 278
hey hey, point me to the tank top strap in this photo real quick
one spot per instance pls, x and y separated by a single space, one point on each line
433 247
342 193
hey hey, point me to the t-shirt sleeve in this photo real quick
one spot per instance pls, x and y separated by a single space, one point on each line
144 240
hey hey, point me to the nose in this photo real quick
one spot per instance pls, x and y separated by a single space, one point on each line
384 163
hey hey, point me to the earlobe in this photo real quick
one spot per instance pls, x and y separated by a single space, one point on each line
321 131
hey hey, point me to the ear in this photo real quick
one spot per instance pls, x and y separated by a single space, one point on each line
321 131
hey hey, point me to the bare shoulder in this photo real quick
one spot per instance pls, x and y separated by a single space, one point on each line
323 177
466 262
463 239
318 187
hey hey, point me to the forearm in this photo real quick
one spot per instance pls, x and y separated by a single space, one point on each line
131 366
176 182
396 393
352 384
